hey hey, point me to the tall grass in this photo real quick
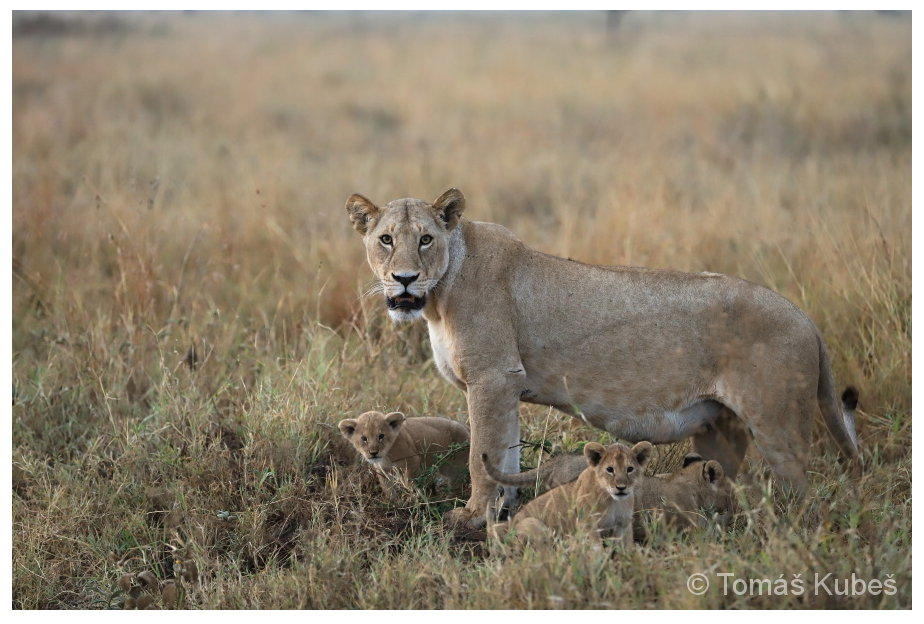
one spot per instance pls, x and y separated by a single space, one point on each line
187 320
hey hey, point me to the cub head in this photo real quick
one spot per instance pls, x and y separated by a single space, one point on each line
407 246
373 434
617 467
710 487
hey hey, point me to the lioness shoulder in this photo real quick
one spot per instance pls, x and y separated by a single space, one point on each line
399 446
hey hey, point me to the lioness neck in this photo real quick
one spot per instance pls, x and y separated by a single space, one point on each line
457 251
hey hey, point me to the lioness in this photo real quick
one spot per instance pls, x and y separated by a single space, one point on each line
686 498
602 497
643 354
399 446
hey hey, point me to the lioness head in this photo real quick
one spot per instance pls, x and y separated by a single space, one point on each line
407 246
617 467
373 433
706 480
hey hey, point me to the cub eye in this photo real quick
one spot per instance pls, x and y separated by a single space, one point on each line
386 239
610 470
364 439
629 469
426 239
381 436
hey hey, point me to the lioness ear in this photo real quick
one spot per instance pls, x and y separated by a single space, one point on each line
642 452
395 420
691 458
347 427
713 471
449 207
594 452
361 212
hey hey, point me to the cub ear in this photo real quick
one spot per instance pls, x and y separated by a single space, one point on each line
691 458
395 420
449 207
361 212
347 427
594 452
642 452
713 471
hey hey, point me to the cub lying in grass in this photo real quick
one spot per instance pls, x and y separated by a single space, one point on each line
601 499
682 497
398 446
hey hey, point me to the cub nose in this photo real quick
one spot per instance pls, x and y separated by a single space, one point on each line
373 453
621 488
405 280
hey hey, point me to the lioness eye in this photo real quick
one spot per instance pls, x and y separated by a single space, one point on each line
386 239
630 469
426 239
610 470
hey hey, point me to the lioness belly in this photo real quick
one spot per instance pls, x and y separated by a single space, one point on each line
627 419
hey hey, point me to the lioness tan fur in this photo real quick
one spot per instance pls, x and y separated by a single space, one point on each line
600 500
398 446
687 498
643 354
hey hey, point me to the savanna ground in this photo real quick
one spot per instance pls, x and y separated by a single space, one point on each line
188 325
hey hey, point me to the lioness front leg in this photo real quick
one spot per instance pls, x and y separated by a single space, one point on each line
493 408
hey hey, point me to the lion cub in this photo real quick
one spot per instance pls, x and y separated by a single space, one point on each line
679 497
399 446
602 498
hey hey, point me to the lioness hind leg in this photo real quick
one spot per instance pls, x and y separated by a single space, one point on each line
724 440
783 437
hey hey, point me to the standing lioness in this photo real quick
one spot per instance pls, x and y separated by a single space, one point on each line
643 354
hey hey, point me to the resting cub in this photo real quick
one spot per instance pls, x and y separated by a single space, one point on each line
396 445
602 498
680 496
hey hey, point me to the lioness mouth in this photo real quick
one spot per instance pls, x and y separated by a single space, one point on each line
406 301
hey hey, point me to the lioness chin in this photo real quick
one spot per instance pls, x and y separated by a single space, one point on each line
643 354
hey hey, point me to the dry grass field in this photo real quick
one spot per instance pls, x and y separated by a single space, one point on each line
188 325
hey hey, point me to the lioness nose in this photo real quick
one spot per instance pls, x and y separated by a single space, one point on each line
405 280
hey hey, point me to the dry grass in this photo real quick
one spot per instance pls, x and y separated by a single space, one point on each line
187 326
